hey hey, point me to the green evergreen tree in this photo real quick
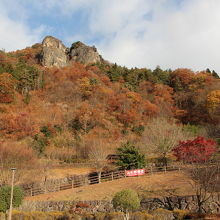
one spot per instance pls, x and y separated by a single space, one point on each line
130 157
208 70
214 74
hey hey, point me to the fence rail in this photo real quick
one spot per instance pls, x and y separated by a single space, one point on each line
77 181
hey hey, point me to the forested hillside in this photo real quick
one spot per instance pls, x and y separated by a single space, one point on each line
85 111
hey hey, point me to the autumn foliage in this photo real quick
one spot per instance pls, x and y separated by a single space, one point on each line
197 150
7 88
16 154
64 113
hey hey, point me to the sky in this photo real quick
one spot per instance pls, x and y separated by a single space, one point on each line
133 33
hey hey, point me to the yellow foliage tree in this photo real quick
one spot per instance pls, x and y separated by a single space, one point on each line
213 100
85 86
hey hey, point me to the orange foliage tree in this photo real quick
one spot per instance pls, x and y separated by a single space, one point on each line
18 125
7 86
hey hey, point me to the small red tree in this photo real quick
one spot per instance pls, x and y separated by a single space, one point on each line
197 150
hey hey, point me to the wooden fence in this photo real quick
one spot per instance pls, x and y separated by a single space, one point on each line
82 180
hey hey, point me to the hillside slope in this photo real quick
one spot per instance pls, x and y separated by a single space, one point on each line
81 112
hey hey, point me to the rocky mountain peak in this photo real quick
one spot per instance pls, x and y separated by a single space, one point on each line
54 53
50 41
82 53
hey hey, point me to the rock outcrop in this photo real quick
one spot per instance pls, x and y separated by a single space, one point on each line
54 53
82 53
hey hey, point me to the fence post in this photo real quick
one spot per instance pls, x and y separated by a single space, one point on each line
151 170
86 180
31 192
72 183
112 176
99 177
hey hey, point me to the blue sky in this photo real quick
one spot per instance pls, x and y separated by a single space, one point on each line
142 33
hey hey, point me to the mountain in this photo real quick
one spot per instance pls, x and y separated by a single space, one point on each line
69 104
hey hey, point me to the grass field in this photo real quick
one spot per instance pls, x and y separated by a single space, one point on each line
172 183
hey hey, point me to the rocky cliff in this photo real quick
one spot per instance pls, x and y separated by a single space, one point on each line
82 53
54 53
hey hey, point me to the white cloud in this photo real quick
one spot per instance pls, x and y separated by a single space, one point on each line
175 37
109 17
15 33
143 33
169 33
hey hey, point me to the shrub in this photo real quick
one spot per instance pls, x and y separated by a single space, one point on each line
114 216
39 143
130 157
38 215
100 216
93 81
87 216
141 216
192 130
5 194
138 130
46 131
162 214
180 214
2 216
72 216
126 200
17 215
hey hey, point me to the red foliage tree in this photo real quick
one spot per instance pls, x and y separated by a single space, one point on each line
197 150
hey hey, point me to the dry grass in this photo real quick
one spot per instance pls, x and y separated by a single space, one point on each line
26 176
64 172
175 183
